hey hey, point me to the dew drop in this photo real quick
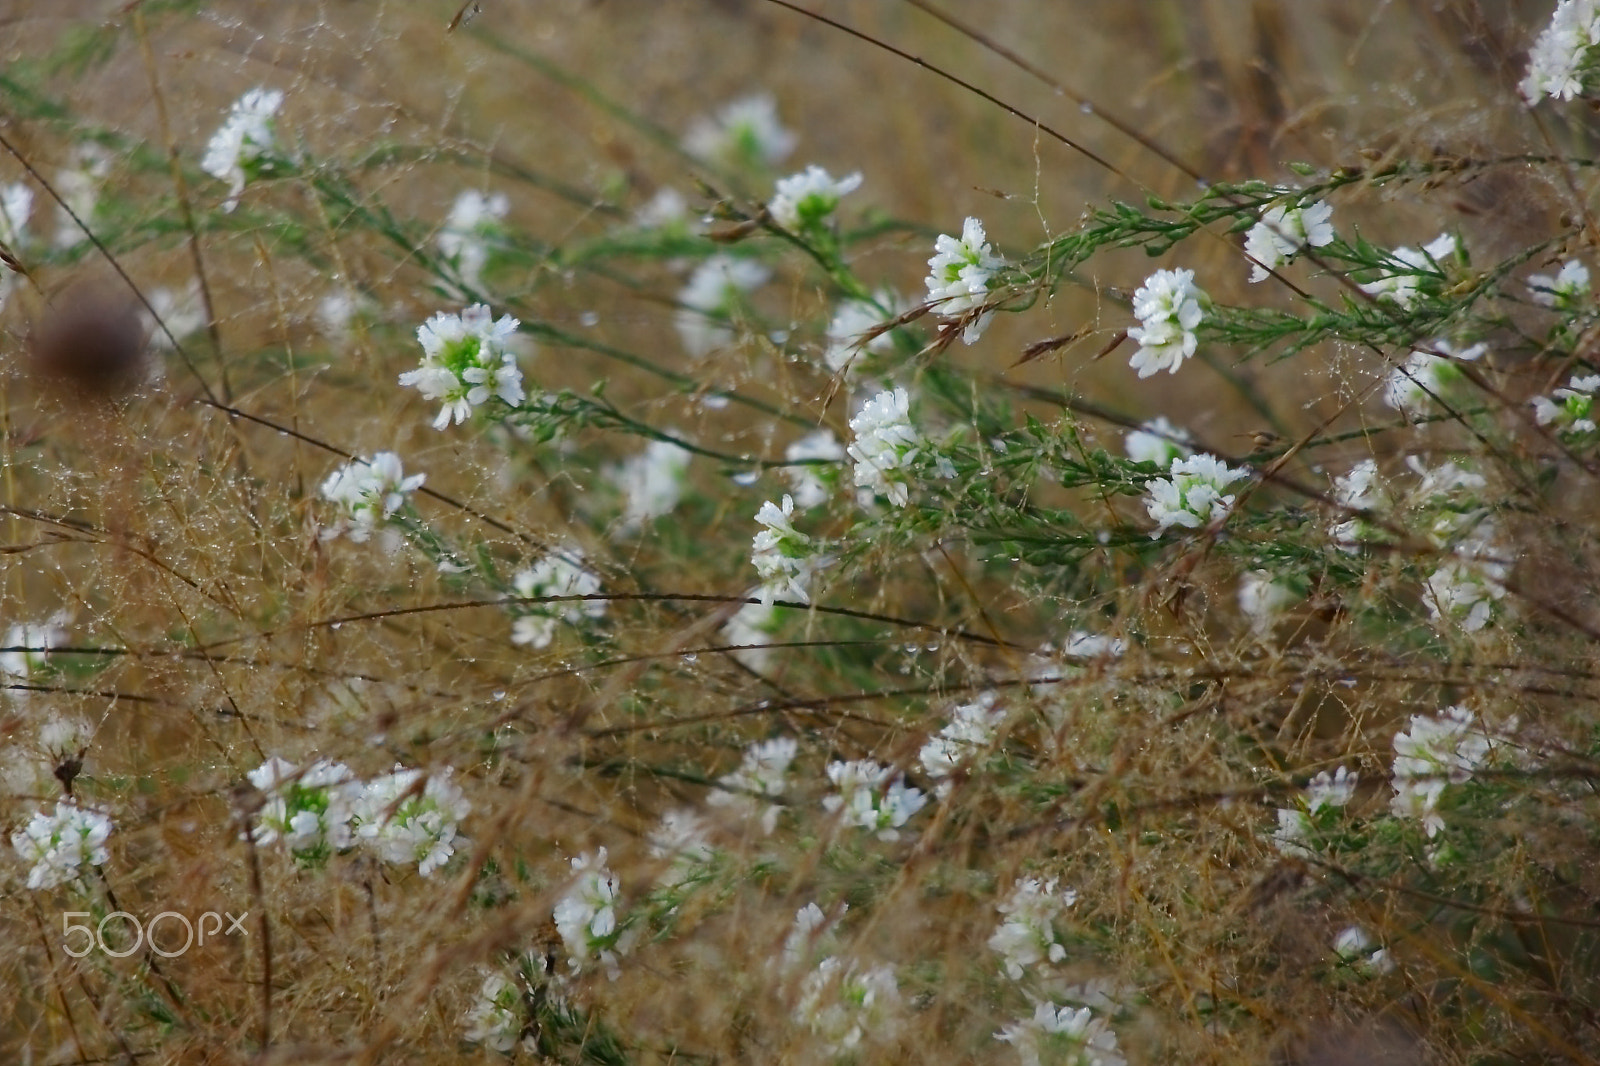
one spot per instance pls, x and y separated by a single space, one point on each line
746 478
1086 107
589 318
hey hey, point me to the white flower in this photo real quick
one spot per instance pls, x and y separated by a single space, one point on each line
651 482
1323 793
369 491
1158 441
807 199
783 556
886 445
404 823
560 573
711 298
814 483
1570 410
183 313
1406 268
749 630
971 729
58 846
808 935
1565 291
310 811
667 209
246 146
744 131
959 274
475 220
16 205
465 361
1027 936
844 1004
1283 232
60 737
1168 307
31 643
495 1019
1192 495
872 796
1063 1036
1355 947
856 327
1425 376
586 916
1358 490
1562 61
1263 598
684 840
79 188
1435 752
1464 592
762 773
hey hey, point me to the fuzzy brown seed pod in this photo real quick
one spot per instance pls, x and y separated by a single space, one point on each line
90 338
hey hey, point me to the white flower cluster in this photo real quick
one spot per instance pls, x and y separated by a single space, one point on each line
1564 292
1464 591
845 1003
856 327
1169 309
651 482
1192 494
1158 441
405 819
29 645
1434 753
310 810
807 199
813 484
57 846
560 573
1359 490
466 361
1563 62
1027 936
495 1019
30 769
475 220
886 445
762 773
1406 269
246 147
711 298
970 731
1324 793
586 915
744 132
684 840
1283 232
784 557
1426 376
79 188
872 796
750 629
369 492
1570 410
1063 1036
16 204
959 275
1263 597
1355 948
809 937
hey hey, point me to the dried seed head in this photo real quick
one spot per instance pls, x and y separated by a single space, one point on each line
90 338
